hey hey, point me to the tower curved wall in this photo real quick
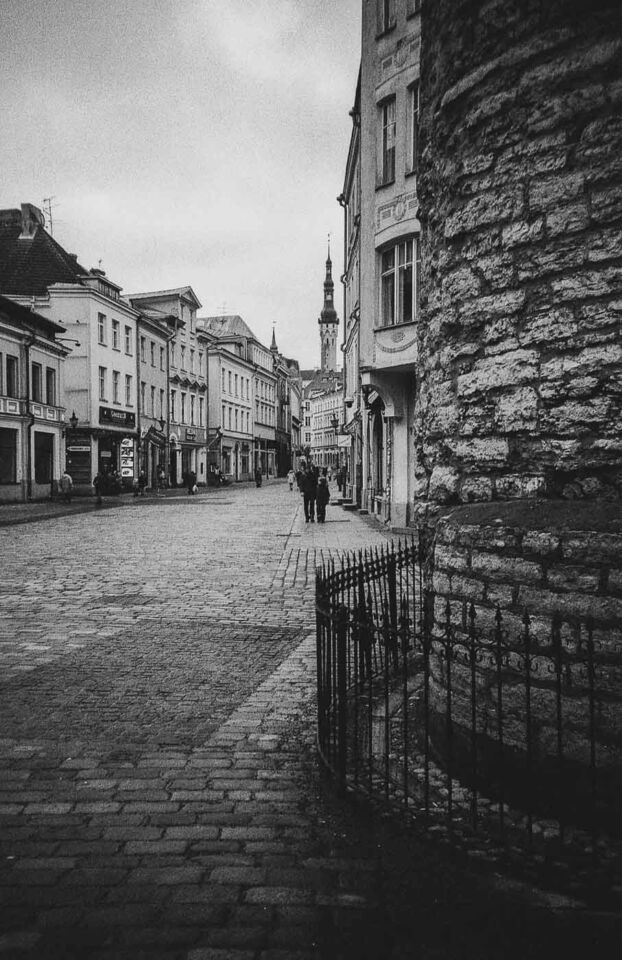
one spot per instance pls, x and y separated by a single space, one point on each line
519 387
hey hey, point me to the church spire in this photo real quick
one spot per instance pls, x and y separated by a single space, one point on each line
273 346
328 320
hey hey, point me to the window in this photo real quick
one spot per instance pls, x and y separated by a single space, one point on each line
116 378
115 335
200 363
153 403
143 346
50 386
387 158
230 390
173 399
236 418
236 384
173 354
128 390
201 411
413 127
229 417
192 361
161 358
223 415
183 358
223 381
36 385
192 403
152 352
143 395
183 408
102 383
385 15
101 328
399 283
128 341
161 403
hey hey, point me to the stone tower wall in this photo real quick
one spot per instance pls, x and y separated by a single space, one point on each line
520 375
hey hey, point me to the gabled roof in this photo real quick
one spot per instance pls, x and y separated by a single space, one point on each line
28 319
30 264
186 292
226 327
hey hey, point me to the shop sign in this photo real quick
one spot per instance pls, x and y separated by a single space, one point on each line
79 448
191 434
120 418
127 457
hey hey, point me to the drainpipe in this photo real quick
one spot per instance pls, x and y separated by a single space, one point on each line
31 419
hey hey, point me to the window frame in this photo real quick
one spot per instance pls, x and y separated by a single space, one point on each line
388 132
392 287
116 329
102 376
414 105
102 330
36 382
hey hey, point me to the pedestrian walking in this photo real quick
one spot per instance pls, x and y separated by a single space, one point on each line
161 478
322 498
98 483
141 483
66 486
309 491
191 480
291 476
258 477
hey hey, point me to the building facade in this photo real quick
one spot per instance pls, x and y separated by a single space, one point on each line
186 374
389 253
100 370
350 200
245 394
32 417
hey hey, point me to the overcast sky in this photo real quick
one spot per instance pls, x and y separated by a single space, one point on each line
197 142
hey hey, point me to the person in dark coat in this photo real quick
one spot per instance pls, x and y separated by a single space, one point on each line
321 499
309 491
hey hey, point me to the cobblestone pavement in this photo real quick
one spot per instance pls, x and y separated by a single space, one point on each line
159 794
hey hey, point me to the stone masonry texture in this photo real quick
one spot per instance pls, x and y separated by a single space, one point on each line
160 797
520 189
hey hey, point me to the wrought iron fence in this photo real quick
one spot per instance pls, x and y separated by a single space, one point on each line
507 744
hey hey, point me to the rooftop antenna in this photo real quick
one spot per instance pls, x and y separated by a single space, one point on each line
47 210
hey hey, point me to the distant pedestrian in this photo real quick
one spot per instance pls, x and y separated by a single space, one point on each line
321 499
98 483
191 480
66 486
258 477
291 476
142 483
161 478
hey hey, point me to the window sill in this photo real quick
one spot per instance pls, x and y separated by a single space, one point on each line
384 183
411 173
386 31
395 326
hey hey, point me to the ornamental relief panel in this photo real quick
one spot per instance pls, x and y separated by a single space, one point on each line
405 53
394 211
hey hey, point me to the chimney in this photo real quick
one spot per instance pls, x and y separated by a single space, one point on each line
31 219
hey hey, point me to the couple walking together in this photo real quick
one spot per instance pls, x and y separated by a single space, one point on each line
315 493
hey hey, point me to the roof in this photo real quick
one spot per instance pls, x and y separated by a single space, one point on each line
23 316
186 292
227 326
29 264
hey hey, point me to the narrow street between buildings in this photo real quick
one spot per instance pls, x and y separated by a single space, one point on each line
159 792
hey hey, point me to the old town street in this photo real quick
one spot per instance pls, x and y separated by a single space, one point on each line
159 791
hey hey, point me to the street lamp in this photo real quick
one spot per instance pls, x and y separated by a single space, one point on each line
162 423
73 420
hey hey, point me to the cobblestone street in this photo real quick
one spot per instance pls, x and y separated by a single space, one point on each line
159 794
